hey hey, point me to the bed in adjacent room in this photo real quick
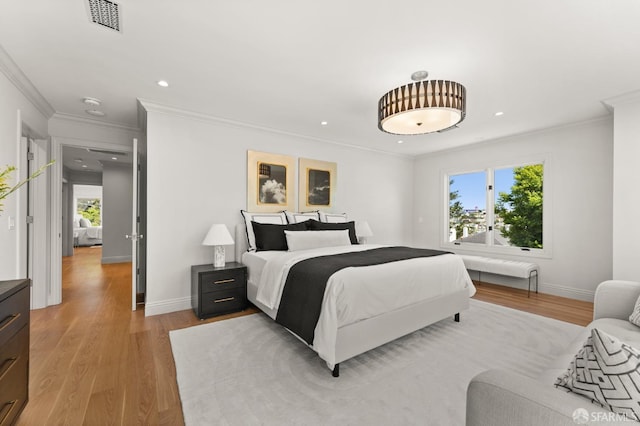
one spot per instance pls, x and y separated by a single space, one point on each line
358 308
85 234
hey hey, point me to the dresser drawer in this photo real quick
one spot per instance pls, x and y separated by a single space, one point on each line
14 376
220 302
223 281
14 314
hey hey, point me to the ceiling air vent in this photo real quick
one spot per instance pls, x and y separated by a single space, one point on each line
105 13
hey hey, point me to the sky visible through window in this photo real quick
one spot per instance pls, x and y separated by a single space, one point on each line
471 187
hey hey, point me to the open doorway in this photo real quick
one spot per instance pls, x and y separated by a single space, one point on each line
96 207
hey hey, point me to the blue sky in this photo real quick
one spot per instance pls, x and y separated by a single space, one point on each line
471 186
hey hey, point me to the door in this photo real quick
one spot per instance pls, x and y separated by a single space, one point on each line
135 227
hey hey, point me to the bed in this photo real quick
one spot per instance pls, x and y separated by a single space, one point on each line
353 320
85 234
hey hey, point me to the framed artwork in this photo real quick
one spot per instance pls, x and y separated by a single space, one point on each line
270 182
316 184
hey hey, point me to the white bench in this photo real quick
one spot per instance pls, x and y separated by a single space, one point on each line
509 268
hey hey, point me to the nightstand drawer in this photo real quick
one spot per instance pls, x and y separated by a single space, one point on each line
220 302
227 280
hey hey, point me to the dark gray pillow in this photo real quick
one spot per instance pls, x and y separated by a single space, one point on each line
314 225
270 236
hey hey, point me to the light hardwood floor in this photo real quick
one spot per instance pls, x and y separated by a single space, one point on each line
95 362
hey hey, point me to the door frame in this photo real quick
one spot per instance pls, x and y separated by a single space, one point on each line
32 239
57 143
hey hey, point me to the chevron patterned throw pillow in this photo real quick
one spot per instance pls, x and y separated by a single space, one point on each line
606 371
634 318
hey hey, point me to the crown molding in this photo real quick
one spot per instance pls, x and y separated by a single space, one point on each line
624 99
13 72
515 136
166 109
90 121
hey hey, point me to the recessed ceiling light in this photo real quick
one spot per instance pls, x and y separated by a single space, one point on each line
400 141
163 83
324 123
78 160
499 113
114 158
92 101
95 112
84 166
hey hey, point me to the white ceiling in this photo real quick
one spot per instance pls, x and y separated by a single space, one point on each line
289 65
92 160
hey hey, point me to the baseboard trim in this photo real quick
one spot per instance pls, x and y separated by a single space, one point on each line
116 259
167 306
570 292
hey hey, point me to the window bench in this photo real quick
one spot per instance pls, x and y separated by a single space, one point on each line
509 268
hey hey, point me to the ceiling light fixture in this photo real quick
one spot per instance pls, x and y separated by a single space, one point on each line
323 123
499 113
425 106
92 101
163 83
95 112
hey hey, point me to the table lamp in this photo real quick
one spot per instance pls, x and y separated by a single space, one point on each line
218 237
363 230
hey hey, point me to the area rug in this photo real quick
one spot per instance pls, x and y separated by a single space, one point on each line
250 371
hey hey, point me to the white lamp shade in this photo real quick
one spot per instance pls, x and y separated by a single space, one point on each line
363 229
218 235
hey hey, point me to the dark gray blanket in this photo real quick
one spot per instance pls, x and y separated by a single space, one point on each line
306 282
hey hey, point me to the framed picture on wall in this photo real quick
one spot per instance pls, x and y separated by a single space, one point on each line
270 182
316 184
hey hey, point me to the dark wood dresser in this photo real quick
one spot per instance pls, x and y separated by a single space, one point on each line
14 349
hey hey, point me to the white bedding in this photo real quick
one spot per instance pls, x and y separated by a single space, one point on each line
88 236
354 294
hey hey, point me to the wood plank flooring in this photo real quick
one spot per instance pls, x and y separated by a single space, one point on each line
95 362
561 308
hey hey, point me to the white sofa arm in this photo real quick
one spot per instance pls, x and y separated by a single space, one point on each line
615 299
504 398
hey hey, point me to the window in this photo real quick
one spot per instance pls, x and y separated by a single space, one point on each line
497 208
90 208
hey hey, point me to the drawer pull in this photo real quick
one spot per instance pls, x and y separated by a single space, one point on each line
226 299
224 281
8 406
8 321
6 366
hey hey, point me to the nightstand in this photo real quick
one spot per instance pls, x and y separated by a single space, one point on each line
217 291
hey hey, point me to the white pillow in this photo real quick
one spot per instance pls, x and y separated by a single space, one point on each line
634 318
276 218
606 371
300 217
332 217
85 223
305 240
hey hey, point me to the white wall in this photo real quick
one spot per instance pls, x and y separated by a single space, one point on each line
626 196
197 176
14 107
117 199
581 173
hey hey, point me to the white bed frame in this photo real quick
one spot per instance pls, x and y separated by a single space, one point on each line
362 336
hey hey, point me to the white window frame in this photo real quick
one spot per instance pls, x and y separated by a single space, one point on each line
488 247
